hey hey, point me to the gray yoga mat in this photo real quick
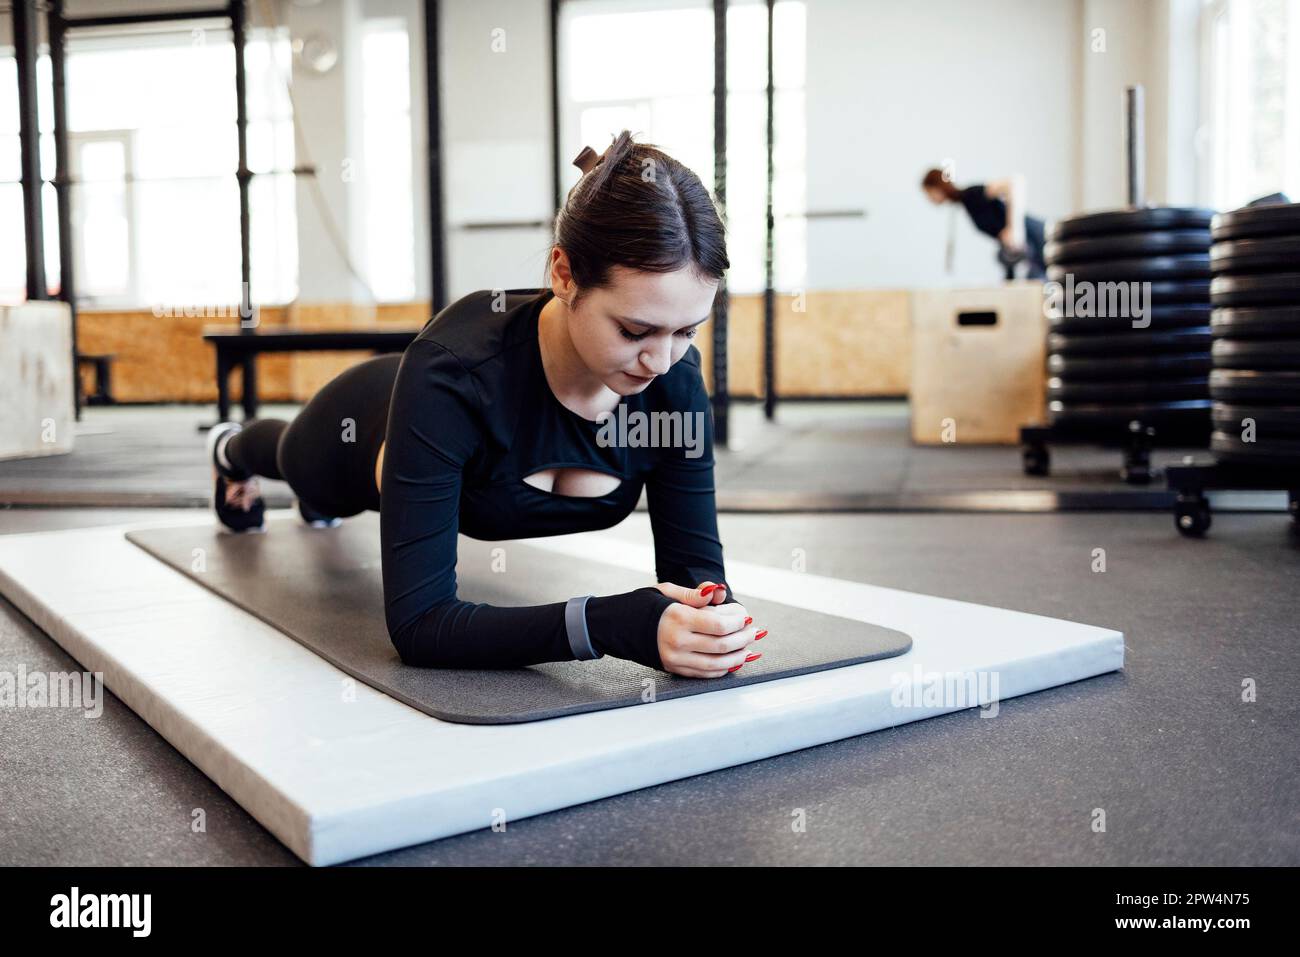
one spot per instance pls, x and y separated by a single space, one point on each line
324 589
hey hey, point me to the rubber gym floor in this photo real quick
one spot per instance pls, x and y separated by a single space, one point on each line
1187 771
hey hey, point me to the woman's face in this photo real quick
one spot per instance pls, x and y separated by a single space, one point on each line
632 331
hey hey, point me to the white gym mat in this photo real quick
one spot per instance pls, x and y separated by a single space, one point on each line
337 770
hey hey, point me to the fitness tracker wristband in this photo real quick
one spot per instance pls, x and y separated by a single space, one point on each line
575 623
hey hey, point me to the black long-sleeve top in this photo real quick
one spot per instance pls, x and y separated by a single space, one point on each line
988 213
471 415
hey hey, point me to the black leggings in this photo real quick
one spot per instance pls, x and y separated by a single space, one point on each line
327 454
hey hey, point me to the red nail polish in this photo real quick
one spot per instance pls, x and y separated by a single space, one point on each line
707 589
754 657
737 668
749 621
760 634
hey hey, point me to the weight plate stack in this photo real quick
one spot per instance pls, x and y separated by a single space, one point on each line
1115 358
1255 323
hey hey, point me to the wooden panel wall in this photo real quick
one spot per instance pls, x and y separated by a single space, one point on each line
164 358
828 343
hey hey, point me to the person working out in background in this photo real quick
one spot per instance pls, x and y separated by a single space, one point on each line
997 210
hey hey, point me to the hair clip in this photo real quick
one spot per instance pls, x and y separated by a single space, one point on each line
587 160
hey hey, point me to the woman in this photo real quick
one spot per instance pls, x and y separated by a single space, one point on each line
493 423
997 210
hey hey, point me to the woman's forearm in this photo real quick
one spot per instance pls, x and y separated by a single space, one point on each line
463 634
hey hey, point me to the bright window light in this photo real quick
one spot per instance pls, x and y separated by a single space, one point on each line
156 208
1253 112
386 175
650 71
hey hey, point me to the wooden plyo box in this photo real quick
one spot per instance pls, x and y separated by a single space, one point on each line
978 364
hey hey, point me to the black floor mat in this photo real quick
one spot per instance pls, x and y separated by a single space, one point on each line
324 588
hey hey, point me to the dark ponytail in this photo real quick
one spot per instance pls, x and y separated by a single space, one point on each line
639 208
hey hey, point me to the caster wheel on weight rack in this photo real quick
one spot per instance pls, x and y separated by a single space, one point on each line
1192 515
1036 459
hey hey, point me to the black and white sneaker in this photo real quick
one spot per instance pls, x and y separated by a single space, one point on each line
236 496
227 499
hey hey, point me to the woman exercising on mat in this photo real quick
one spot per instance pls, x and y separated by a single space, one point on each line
996 209
493 423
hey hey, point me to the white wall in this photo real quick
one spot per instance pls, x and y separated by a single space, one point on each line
1155 43
998 86
496 119
895 88
330 113
1117 50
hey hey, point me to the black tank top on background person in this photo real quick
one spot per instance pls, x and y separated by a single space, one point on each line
471 415
988 214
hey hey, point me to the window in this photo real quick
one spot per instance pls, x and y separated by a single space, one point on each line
102 213
156 202
389 224
1252 99
649 69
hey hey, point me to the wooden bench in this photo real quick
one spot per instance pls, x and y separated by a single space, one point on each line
236 348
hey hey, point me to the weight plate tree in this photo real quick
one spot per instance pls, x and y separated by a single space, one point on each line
1255 377
1116 356
1128 350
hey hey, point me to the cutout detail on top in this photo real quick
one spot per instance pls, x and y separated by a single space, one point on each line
582 483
